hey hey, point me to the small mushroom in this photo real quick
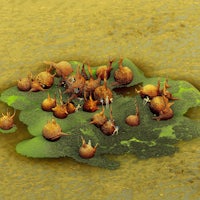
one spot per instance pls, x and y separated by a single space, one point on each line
45 78
166 113
166 93
149 90
103 92
134 120
75 85
52 131
6 121
158 103
123 75
63 68
24 84
70 107
90 105
104 71
60 110
35 86
87 150
91 84
48 103
109 127
99 118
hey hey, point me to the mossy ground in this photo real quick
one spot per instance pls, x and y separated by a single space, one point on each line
150 139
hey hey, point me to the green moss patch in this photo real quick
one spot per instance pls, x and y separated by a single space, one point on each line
150 139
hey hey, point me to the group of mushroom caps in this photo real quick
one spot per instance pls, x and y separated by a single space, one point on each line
95 92
159 100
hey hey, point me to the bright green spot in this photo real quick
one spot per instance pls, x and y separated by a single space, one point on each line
11 99
166 131
128 142
87 132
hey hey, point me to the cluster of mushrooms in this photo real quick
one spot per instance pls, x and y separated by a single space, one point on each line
95 93
159 100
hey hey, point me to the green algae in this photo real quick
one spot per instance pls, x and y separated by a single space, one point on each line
167 131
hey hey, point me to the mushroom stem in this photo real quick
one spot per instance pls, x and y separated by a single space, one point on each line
13 114
65 134
166 83
111 116
83 140
96 146
110 63
120 63
90 71
103 110
105 79
60 96
136 107
158 86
